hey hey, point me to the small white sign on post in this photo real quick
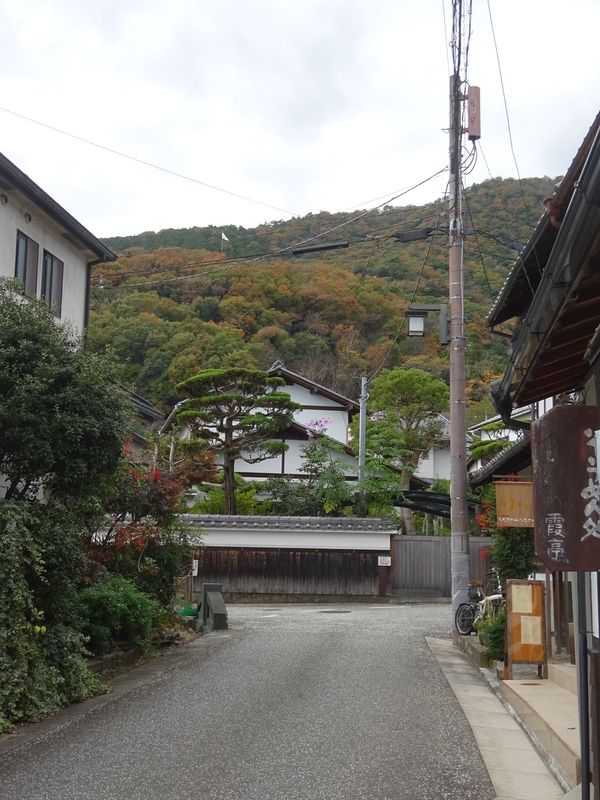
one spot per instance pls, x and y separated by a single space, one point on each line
384 561
194 567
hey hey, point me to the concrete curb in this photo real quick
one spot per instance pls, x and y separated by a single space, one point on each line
515 768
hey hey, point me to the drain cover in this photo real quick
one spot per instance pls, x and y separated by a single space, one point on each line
334 611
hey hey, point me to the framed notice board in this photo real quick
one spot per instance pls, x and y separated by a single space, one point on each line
526 625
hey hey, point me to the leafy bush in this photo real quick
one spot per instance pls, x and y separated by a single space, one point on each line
245 500
115 610
514 553
41 648
491 632
323 492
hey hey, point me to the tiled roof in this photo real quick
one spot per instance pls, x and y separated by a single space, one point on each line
350 524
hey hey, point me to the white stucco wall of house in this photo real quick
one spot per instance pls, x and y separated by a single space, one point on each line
41 230
291 462
317 407
435 464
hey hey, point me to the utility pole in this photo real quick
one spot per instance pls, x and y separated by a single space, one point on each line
362 427
459 517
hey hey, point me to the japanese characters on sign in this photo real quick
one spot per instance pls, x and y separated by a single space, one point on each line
555 537
591 492
514 504
566 488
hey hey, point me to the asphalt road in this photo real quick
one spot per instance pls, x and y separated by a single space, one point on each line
299 703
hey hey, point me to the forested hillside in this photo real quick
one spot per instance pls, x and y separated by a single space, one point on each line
174 304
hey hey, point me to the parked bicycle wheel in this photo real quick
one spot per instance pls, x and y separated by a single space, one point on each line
465 617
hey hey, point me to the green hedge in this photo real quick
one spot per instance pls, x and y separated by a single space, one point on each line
114 611
42 649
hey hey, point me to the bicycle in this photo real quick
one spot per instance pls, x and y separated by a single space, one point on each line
479 606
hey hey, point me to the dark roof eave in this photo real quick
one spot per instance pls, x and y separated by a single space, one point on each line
513 458
576 237
23 183
527 269
504 307
284 372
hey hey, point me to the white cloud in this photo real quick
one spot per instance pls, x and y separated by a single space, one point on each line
303 104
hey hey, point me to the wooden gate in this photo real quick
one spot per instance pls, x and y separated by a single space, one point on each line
421 564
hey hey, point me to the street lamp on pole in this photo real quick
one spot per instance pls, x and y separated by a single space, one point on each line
416 314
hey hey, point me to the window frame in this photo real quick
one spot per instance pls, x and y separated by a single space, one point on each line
27 266
51 290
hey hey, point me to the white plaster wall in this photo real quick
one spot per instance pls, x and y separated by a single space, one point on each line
337 428
435 464
297 540
292 462
270 465
12 218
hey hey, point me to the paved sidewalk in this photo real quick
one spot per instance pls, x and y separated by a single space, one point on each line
516 770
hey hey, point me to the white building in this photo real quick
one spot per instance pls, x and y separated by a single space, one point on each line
435 463
320 407
45 248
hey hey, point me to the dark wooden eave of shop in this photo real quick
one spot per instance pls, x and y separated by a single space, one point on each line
563 312
513 459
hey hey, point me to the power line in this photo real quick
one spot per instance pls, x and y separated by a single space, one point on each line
401 328
485 272
445 35
365 213
193 263
480 148
279 252
147 163
512 149
428 252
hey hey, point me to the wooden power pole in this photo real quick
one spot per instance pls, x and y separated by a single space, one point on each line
459 517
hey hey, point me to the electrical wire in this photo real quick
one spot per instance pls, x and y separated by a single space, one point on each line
279 252
401 328
425 260
512 149
193 263
147 163
480 148
365 213
485 272
469 32
446 43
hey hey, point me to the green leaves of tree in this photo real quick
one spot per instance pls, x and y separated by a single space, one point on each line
237 411
62 422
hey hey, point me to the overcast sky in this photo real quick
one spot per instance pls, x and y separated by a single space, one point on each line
304 105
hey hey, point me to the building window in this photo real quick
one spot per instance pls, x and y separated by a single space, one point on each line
52 282
26 263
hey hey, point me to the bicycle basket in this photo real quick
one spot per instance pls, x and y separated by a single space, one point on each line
475 592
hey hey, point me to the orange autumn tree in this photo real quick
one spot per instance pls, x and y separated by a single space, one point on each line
137 532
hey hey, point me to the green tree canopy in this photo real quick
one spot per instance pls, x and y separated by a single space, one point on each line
404 423
62 426
237 411
62 421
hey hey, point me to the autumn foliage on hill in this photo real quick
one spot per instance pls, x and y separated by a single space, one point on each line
173 305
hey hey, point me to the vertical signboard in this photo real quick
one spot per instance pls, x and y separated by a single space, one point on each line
525 623
566 490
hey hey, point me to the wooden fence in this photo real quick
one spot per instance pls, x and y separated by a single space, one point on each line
422 563
279 571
